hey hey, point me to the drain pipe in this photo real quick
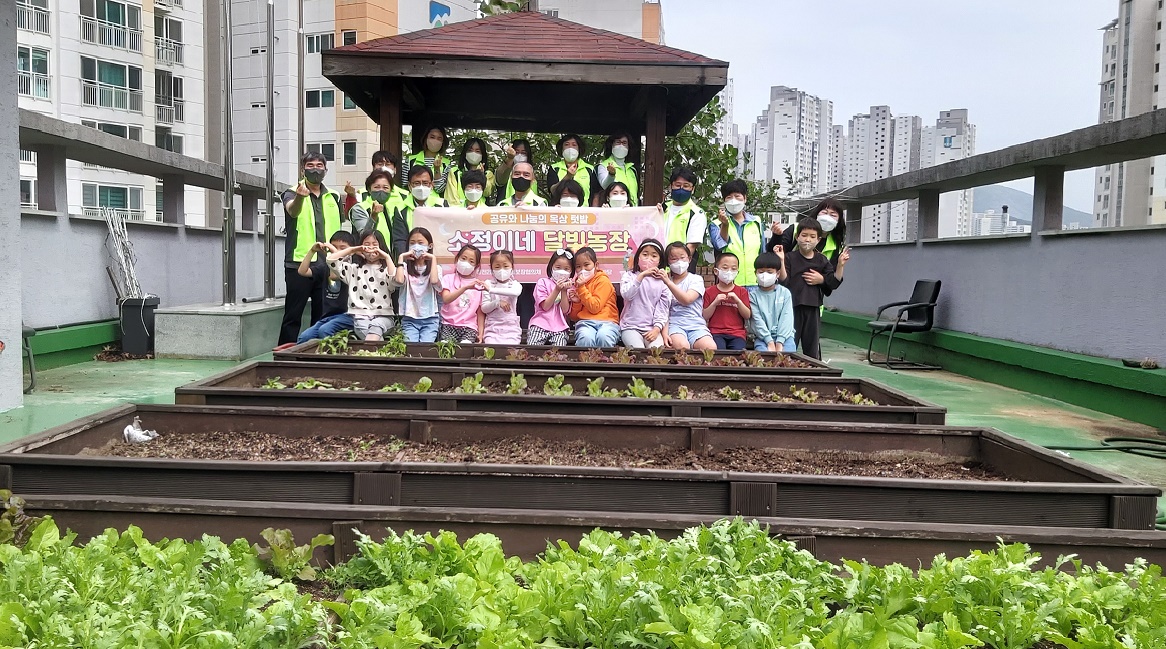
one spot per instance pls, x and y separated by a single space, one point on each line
269 224
228 163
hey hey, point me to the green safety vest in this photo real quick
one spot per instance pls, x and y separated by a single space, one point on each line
419 159
534 200
396 195
582 176
306 235
678 230
746 250
409 204
626 174
455 195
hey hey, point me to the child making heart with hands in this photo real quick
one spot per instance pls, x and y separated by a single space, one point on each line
461 296
646 299
498 317
419 304
552 301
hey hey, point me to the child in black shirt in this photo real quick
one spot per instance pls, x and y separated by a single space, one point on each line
806 271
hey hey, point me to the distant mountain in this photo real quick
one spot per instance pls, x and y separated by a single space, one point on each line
1019 203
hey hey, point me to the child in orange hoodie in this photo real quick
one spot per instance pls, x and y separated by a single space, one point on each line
593 303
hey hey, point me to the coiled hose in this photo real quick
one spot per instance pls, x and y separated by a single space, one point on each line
1145 447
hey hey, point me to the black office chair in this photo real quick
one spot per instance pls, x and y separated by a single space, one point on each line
914 316
26 352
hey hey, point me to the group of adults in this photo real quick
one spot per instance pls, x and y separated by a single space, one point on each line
395 188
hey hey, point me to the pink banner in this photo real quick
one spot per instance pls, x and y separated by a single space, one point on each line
534 233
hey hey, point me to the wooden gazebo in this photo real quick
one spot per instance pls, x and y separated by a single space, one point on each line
526 71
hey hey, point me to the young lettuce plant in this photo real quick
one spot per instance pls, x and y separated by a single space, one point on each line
446 349
423 384
517 384
284 559
638 389
471 385
274 384
334 344
488 353
556 387
595 389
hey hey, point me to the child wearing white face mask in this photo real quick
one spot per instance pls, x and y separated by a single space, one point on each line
418 302
461 297
499 313
548 325
593 304
726 305
772 306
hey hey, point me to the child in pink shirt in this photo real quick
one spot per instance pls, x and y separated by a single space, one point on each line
461 296
498 316
548 325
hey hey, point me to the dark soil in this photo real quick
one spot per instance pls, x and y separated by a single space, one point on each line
253 446
319 590
113 355
726 394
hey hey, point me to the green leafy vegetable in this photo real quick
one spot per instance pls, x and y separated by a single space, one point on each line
555 387
284 559
423 384
517 384
471 385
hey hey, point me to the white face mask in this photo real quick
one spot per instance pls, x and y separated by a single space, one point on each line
619 151
617 200
570 154
568 201
464 267
389 170
587 274
473 195
421 192
474 158
520 158
734 206
726 276
679 267
559 274
765 280
433 145
827 222
502 274
418 249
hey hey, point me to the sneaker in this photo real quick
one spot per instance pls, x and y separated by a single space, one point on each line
284 346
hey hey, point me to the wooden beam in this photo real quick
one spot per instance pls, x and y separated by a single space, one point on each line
653 182
390 117
348 65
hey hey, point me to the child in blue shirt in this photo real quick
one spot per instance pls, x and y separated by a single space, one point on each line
773 307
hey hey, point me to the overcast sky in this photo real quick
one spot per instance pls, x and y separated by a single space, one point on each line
1025 69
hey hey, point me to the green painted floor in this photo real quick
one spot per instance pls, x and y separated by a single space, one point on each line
67 393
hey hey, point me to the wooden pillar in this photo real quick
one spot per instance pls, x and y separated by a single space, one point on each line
1048 198
173 199
636 157
51 181
654 171
928 214
391 117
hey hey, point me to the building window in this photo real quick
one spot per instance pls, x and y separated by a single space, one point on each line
164 138
111 85
348 103
259 104
328 150
168 40
348 37
258 158
27 192
319 42
121 130
553 13
110 23
259 50
320 99
349 153
95 198
169 106
32 73
33 15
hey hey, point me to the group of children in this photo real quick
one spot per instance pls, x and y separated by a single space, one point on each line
663 303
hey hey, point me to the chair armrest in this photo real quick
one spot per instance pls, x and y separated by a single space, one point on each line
884 307
917 305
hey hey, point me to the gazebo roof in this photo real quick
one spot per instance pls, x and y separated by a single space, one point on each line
526 71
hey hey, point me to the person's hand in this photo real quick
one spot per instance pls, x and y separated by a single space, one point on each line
844 257
668 342
437 162
572 296
646 273
779 250
505 304
404 257
734 297
371 253
579 280
324 246
302 188
563 285
572 167
651 334
481 337
720 299
813 277
772 347
429 256
479 285
349 189
777 228
722 216
611 168
509 153
660 207
377 208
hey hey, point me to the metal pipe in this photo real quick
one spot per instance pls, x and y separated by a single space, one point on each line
228 162
269 222
301 145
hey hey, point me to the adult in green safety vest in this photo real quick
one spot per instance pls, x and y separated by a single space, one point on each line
615 167
378 206
519 150
312 213
472 158
432 155
473 189
738 232
684 220
574 167
385 161
829 215
522 178
421 194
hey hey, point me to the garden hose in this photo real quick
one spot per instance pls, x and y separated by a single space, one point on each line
1145 447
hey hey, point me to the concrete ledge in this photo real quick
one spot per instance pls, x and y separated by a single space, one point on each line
1160 227
986 237
210 331
1100 384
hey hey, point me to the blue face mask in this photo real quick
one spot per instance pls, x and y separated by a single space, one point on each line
681 196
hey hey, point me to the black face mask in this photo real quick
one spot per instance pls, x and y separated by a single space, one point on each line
315 176
380 196
520 184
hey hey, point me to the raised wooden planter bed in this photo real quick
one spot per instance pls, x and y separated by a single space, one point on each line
473 356
242 386
1037 487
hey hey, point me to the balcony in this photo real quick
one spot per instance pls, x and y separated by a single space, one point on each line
167 52
99 213
169 113
103 95
102 32
166 5
33 84
32 19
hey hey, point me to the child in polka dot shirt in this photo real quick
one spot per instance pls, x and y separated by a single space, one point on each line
371 282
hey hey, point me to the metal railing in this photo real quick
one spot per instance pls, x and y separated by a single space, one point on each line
129 215
34 84
103 32
169 113
168 4
94 93
33 19
168 51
